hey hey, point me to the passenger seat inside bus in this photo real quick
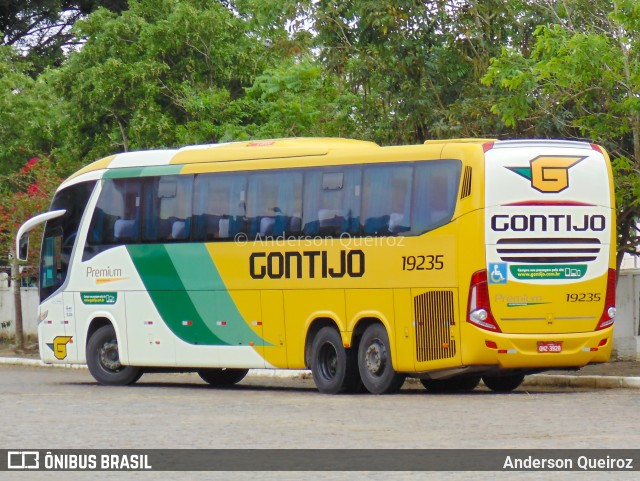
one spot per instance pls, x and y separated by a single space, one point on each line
123 229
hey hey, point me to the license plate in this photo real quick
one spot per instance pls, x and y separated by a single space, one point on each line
551 346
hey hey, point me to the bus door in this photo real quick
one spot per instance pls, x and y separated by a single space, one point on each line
57 332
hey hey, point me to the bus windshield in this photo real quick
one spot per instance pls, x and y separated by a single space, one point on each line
60 235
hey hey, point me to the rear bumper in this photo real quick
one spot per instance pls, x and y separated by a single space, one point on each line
520 351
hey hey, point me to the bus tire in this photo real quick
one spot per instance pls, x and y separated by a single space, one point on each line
453 384
334 368
103 359
503 383
374 362
223 376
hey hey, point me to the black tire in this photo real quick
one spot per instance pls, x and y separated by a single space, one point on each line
103 359
223 376
374 362
503 383
454 384
334 368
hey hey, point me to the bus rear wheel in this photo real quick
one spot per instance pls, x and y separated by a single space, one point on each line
454 384
374 362
503 383
334 368
103 359
222 377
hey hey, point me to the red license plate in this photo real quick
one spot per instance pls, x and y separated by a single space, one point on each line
551 346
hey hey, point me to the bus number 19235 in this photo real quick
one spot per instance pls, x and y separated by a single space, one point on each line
423 263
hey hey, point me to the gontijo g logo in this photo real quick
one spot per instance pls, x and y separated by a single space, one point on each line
59 346
548 173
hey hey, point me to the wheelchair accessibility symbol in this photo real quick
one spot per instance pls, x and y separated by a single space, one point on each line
497 273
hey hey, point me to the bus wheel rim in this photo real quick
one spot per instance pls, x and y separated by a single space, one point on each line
109 357
375 358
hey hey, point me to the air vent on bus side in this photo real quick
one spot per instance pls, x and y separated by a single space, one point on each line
548 250
434 314
466 183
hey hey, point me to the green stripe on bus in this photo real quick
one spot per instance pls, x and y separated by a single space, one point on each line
186 288
128 172
209 294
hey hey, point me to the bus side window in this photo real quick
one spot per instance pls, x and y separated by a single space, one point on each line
331 202
274 204
167 208
435 186
386 201
218 206
116 217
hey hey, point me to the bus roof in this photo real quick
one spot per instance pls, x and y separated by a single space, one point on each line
225 152
284 148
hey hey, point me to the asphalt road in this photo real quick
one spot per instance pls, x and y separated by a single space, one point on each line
52 408
65 407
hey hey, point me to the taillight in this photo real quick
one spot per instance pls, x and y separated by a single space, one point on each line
487 146
479 309
596 147
609 311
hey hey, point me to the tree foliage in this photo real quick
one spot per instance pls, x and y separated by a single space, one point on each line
41 29
23 193
162 73
29 113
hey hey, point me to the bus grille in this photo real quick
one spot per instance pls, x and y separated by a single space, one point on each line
433 317
548 250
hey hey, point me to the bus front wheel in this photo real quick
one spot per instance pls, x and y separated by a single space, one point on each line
103 359
374 362
222 377
503 383
334 368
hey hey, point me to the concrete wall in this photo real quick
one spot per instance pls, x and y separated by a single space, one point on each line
29 311
626 336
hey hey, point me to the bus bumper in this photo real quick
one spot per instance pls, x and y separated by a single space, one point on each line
533 351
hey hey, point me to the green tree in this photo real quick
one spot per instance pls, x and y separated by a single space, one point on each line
416 66
582 80
41 29
30 113
23 194
296 99
163 73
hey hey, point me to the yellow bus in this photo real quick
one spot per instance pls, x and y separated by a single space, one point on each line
451 262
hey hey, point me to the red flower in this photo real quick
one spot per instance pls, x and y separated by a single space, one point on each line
29 165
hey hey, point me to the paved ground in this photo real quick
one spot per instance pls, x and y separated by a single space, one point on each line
622 373
48 408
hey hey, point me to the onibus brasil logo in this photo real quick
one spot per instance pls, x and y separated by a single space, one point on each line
548 173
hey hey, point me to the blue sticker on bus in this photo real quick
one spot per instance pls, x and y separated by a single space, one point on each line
497 273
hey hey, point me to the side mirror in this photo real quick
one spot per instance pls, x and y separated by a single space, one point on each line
22 239
23 249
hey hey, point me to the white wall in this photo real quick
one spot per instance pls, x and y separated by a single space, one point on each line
29 311
626 334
